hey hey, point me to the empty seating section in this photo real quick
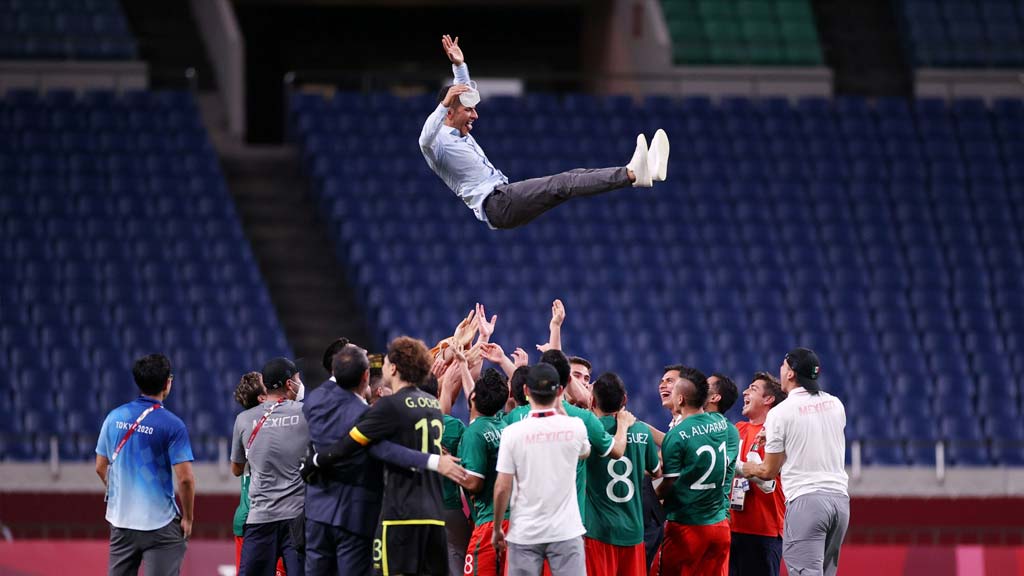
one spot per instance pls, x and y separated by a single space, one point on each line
727 32
63 29
118 239
964 33
885 235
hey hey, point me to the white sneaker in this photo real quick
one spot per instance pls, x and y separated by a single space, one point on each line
640 164
657 157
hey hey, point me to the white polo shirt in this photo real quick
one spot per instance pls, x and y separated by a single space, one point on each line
809 429
541 452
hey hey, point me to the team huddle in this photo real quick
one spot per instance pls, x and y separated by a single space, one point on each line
372 474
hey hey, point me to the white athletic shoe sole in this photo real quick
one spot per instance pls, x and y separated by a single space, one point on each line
640 165
657 156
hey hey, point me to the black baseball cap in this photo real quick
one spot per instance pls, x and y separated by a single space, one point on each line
542 379
805 364
278 371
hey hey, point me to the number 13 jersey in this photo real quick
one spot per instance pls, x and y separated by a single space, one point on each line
412 418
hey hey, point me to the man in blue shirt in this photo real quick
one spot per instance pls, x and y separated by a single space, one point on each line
139 444
457 159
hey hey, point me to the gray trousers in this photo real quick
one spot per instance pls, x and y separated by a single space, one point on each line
565 558
460 530
516 203
815 528
161 550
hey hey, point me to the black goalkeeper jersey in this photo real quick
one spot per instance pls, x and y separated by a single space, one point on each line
412 418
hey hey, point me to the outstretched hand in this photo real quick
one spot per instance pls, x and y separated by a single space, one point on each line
557 313
485 328
452 50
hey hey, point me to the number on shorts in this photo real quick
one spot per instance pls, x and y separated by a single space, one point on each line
377 552
620 479
468 567
700 483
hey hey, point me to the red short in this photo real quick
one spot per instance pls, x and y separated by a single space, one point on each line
480 556
698 550
238 558
605 559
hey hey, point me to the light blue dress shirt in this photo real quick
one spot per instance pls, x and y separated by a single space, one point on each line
459 160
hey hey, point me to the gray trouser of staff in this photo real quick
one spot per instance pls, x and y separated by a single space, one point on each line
565 558
815 528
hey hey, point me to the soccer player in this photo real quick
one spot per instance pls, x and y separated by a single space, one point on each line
614 519
411 537
722 393
139 445
478 452
272 439
699 455
249 393
757 512
804 439
579 377
540 454
453 154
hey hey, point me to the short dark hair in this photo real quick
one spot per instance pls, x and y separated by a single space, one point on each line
430 385
609 392
699 397
329 353
348 366
151 373
249 389
411 358
490 392
771 387
580 361
727 390
561 364
517 384
671 367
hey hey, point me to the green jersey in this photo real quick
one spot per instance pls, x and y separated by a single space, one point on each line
700 453
450 437
600 444
516 414
615 512
479 454
242 512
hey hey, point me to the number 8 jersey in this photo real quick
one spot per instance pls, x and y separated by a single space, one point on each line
412 418
700 453
614 508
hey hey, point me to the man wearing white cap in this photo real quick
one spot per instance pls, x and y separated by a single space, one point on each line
457 159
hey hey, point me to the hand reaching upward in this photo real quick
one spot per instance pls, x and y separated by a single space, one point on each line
557 313
485 328
451 48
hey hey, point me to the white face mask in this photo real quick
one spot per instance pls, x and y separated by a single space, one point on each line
301 393
471 98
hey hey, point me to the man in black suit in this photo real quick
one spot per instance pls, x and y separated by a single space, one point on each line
343 502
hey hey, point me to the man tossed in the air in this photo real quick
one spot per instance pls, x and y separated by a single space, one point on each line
453 154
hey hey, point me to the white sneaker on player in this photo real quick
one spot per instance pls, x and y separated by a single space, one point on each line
657 156
640 164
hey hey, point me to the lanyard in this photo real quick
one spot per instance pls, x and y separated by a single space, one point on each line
128 434
259 425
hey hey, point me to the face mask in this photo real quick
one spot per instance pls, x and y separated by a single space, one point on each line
300 393
471 98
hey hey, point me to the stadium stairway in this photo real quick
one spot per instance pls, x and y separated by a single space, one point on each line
861 43
291 245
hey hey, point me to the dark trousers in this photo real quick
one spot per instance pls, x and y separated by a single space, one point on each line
331 550
516 203
263 544
753 555
160 550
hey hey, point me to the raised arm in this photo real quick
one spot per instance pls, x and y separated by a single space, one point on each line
554 328
495 354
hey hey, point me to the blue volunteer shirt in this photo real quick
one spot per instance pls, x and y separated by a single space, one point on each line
140 483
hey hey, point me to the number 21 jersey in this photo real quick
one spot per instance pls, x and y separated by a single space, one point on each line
700 453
